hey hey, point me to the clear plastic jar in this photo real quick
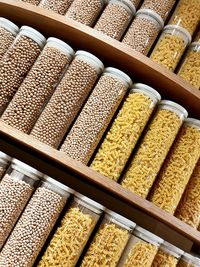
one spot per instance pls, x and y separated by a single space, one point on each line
125 131
171 46
33 2
143 31
35 224
85 11
59 7
168 255
187 15
141 249
38 86
73 233
17 61
8 32
178 167
109 242
16 188
154 147
115 18
4 163
187 260
68 98
96 115
190 67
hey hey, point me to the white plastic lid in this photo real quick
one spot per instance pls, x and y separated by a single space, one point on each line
180 29
5 158
89 203
172 250
192 122
34 35
119 74
90 58
121 220
58 184
152 14
191 259
147 236
149 91
170 105
8 25
64 47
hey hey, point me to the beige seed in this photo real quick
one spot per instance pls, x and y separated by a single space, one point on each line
58 6
33 2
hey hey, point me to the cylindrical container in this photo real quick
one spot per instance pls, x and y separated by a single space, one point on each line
136 2
187 260
4 163
16 188
17 61
125 131
189 206
171 46
143 31
33 2
38 86
8 32
67 99
178 167
190 67
115 18
197 37
168 255
109 242
153 148
161 7
95 116
59 7
85 11
187 15
35 224
73 233
141 249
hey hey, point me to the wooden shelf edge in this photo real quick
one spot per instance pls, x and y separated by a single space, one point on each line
139 67
96 186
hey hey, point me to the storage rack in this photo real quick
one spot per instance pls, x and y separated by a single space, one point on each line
75 174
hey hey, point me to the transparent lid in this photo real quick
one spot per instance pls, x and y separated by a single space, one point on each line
152 14
64 47
175 28
147 236
147 90
126 3
174 107
120 220
8 25
34 35
5 158
91 59
172 250
191 259
120 75
192 122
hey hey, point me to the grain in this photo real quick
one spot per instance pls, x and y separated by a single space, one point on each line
163 259
37 87
123 135
59 7
177 169
152 151
6 39
33 2
94 118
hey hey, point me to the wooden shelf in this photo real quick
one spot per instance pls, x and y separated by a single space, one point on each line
110 51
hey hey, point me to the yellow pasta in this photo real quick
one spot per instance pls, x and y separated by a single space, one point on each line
183 263
164 259
188 260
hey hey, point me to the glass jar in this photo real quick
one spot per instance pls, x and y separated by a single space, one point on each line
168 255
190 67
38 86
85 11
35 224
96 115
73 233
187 15
141 249
153 148
17 61
171 46
33 2
187 260
68 98
109 242
115 18
59 7
16 188
8 32
125 131
178 167
4 163
143 31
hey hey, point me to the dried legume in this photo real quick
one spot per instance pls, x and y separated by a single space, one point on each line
59 7
33 2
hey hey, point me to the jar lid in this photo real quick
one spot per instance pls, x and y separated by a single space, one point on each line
152 14
8 25
90 58
64 47
118 219
149 91
119 74
195 44
58 184
34 35
180 29
147 236
191 259
5 158
173 106
192 122
171 249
